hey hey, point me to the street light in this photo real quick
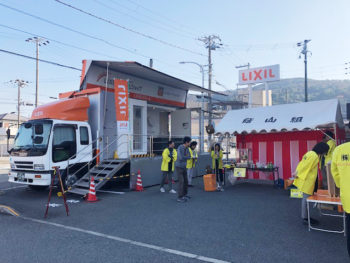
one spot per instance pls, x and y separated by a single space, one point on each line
201 124
38 42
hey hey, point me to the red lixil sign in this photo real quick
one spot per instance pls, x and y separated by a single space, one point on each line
121 99
259 75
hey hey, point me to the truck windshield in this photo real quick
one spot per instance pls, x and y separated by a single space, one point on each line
32 138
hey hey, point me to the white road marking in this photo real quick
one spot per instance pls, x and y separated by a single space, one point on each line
54 205
73 201
10 188
129 241
111 192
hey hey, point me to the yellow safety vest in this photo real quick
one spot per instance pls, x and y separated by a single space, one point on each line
191 163
214 157
166 159
341 173
328 156
307 173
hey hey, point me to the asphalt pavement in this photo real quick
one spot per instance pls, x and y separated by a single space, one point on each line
246 223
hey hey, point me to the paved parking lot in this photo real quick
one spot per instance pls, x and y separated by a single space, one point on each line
246 223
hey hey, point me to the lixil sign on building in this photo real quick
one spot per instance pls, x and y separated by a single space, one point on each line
259 75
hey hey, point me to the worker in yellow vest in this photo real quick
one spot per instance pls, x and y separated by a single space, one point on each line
169 157
306 176
191 163
329 139
217 165
341 173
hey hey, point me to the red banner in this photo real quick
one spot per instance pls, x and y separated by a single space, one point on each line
121 99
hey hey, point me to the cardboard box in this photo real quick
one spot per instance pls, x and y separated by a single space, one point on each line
333 190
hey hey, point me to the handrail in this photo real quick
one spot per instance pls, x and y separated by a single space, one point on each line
95 157
75 155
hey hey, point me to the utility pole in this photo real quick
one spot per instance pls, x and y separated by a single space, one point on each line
347 69
212 42
20 84
304 51
201 121
250 92
38 42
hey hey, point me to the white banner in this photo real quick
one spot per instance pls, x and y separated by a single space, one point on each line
259 75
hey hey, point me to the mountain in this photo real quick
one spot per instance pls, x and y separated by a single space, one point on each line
292 91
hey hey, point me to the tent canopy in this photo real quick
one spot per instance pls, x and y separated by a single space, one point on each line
285 117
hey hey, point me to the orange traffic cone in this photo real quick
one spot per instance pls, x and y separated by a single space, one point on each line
139 186
91 197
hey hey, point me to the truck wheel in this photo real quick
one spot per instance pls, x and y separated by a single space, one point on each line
38 187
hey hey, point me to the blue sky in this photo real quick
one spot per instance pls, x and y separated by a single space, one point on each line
259 32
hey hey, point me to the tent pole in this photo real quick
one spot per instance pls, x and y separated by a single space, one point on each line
335 134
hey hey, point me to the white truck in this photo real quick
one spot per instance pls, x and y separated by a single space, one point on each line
58 134
72 134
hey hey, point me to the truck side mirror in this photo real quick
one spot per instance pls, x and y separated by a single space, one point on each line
8 132
28 125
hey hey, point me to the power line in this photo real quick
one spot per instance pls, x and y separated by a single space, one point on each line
41 60
129 29
59 42
83 34
155 25
171 21
70 29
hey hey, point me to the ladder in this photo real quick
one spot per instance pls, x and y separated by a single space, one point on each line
102 173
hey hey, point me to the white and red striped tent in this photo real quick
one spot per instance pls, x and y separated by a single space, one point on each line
282 134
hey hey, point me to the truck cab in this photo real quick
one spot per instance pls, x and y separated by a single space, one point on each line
43 143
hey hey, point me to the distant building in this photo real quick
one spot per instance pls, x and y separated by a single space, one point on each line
10 121
220 106
258 99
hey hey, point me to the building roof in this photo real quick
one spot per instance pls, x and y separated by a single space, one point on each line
11 117
285 117
138 70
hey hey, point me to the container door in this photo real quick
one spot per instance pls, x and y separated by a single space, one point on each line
138 126
181 123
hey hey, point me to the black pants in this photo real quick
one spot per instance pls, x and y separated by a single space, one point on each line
183 181
219 176
348 232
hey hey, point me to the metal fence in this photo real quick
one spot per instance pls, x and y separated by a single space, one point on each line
154 145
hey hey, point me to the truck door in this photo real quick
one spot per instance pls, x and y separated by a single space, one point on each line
64 144
181 123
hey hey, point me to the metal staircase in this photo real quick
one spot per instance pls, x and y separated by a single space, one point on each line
102 173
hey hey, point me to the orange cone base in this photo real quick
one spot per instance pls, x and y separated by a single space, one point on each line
91 198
